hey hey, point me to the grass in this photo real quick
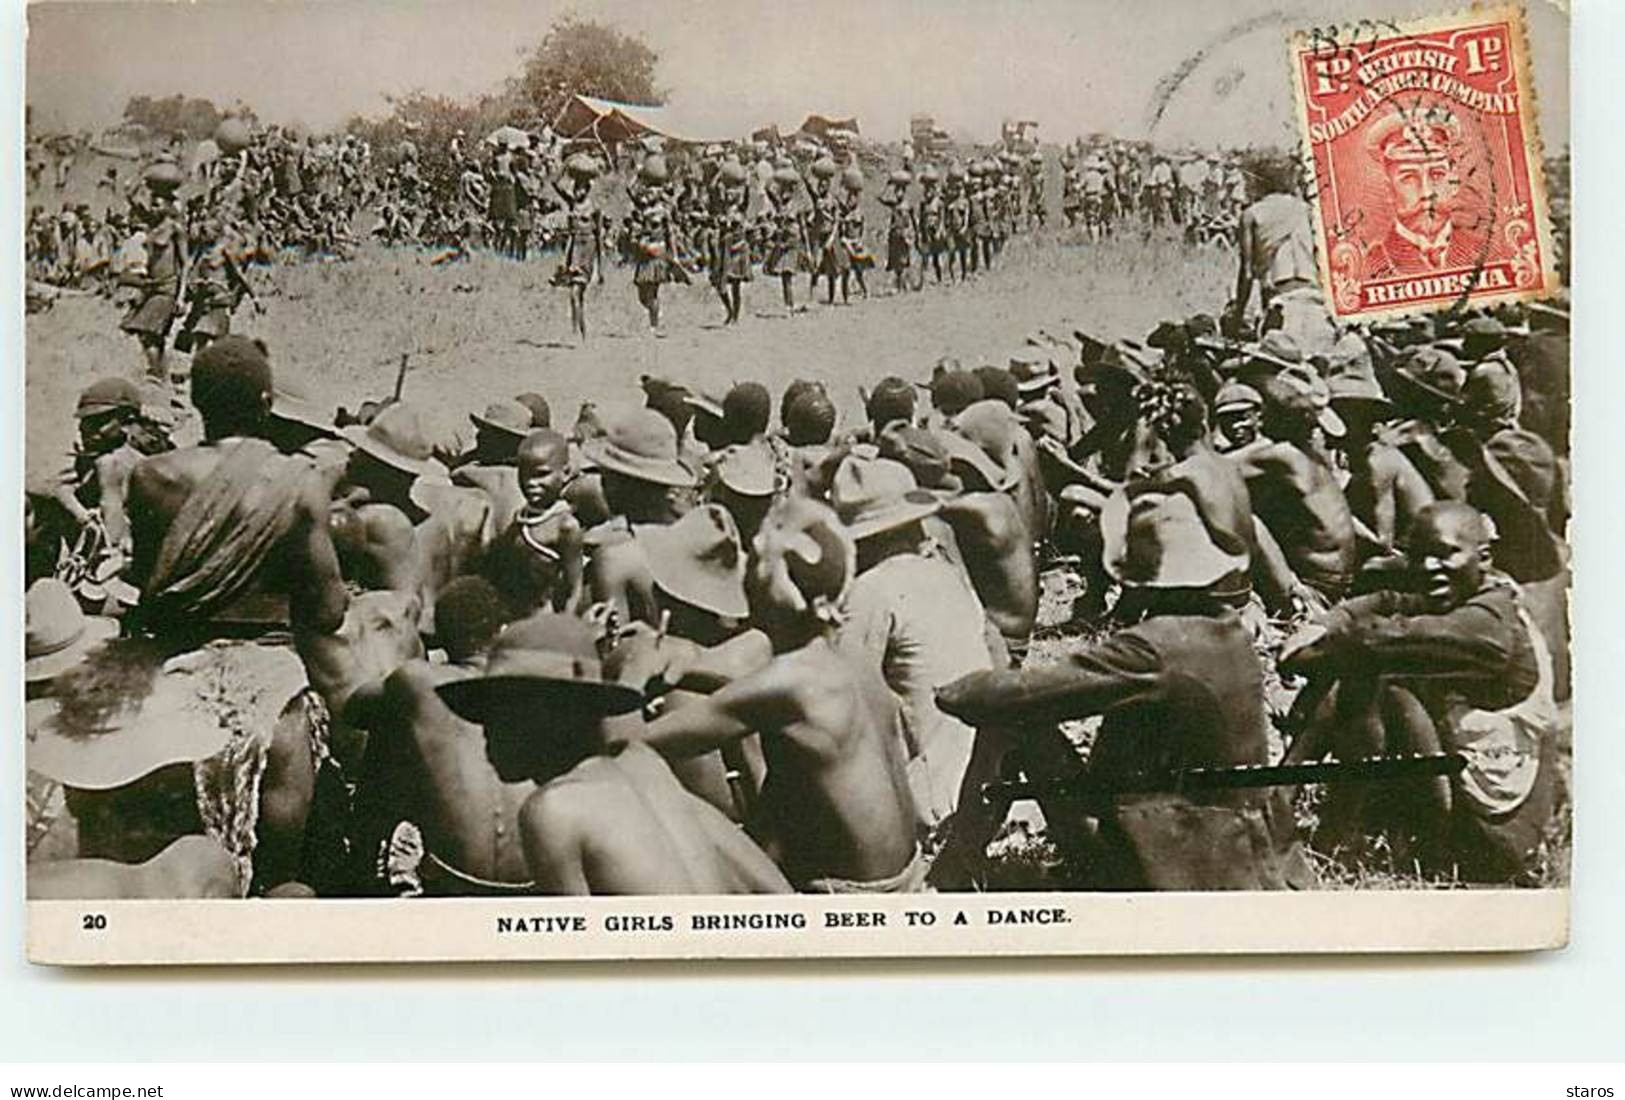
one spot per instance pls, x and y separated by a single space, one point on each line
1023 859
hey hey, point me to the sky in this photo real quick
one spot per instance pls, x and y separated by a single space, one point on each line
732 65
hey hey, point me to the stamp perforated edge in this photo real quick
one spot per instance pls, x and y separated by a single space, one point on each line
1528 128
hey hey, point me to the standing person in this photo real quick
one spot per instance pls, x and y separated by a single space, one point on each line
1276 242
1036 210
526 193
167 254
851 255
215 289
957 223
584 241
1159 190
787 232
500 208
931 220
230 547
1071 189
1093 184
822 227
654 248
730 214
982 214
902 231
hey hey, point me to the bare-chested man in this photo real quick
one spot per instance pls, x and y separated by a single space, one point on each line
1385 492
602 821
398 521
426 768
994 542
998 430
644 483
836 807
229 539
1294 484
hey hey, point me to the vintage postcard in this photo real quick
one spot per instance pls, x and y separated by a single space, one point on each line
631 480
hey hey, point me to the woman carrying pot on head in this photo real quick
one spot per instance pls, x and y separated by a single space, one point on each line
584 237
730 266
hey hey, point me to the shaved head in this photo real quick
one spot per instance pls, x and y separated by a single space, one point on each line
544 447
1451 518
1450 550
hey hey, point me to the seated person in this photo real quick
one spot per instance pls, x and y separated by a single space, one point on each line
994 543
644 484
697 566
489 467
836 807
80 506
114 810
1458 665
397 521
1293 483
913 617
191 866
443 822
605 818
1178 687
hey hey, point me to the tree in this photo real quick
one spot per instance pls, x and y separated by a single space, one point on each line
586 58
196 117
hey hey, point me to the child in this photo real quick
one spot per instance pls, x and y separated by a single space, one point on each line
536 562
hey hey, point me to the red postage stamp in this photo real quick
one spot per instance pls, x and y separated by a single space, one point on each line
1427 182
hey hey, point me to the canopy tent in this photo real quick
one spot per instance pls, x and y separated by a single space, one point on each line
605 120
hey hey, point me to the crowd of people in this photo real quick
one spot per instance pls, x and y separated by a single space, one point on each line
720 213
701 644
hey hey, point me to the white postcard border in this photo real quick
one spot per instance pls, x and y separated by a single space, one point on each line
941 925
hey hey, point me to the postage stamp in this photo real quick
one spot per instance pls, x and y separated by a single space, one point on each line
1427 182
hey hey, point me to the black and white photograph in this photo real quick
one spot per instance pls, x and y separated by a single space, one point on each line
736 457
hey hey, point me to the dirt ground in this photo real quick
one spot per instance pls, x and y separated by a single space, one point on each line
490 328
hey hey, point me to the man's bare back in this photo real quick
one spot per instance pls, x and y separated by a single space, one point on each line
836 802
468 815
997 552
621 824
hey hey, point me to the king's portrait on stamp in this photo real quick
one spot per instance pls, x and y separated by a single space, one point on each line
744 479
1425 164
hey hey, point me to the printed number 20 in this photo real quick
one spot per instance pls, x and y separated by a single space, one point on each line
95 922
